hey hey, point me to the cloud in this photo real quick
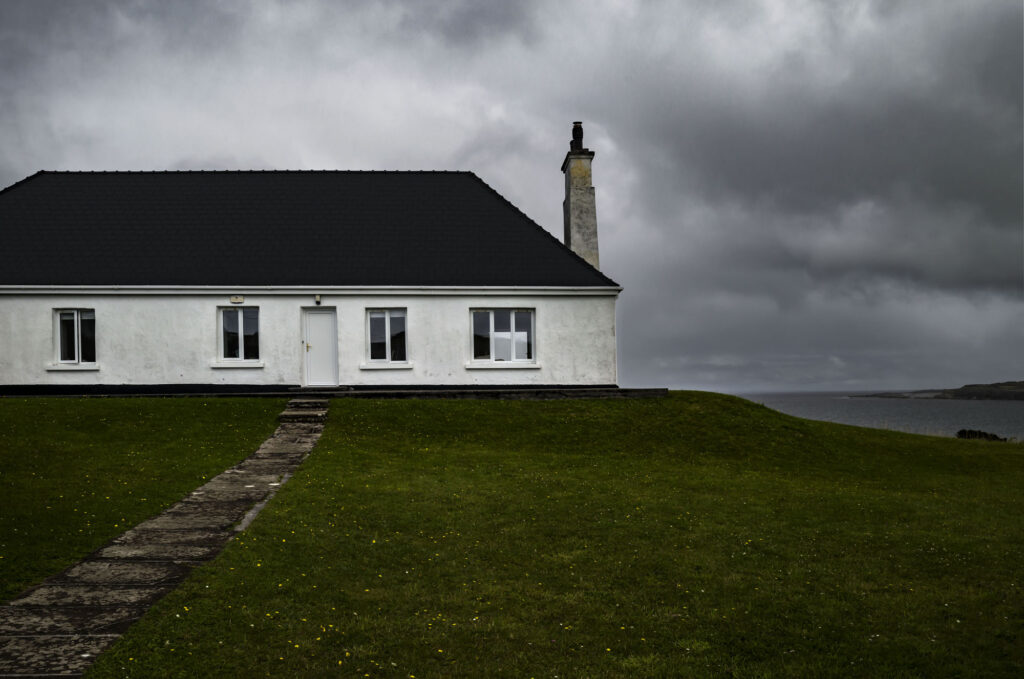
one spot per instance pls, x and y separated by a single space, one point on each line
745 341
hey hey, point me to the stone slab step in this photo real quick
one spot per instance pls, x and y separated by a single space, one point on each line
186 536
47 656
303 415
160 552
309 403
45 620
116 572
91 595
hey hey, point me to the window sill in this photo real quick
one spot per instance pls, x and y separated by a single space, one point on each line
73 367
383 365
502 365
236 364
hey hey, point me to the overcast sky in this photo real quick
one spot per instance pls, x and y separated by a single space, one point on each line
795 195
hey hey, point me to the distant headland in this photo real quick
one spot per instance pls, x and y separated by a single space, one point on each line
999 391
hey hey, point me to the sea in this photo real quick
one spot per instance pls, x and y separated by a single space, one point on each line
936 417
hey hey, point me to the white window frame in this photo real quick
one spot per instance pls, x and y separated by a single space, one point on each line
77 360
491 361
386 361
222 360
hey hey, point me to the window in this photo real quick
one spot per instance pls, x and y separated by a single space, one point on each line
76 336
387 335
503 335
240 333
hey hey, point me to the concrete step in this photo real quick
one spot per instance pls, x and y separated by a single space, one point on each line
308 415
318 390
312 403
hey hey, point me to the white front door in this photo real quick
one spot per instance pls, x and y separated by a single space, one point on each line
321 347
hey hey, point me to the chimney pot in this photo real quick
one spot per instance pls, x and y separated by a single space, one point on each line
577 136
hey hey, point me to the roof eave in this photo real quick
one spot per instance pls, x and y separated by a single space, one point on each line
341 290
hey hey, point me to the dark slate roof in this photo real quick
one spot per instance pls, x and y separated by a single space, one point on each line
275 228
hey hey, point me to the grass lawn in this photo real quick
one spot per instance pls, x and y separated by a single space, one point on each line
699 535
75 473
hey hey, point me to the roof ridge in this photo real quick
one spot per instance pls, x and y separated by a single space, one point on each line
542 229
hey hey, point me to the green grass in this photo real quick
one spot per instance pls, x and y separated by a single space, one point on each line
699 535
75 473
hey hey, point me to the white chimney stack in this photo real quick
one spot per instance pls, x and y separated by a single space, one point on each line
578 209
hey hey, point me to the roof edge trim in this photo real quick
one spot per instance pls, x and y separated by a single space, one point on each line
544 231
343 290
22 181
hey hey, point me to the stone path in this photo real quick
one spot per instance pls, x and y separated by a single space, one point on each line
59 627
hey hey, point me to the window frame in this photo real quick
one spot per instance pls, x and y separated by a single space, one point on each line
77 338
222 356
490 360
387 360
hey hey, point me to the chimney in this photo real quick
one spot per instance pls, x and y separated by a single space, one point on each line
578 209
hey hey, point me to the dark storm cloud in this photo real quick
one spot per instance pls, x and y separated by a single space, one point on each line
805 145
749 342
892 151
93 30
52 46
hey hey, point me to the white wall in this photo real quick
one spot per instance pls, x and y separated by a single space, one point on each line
173 339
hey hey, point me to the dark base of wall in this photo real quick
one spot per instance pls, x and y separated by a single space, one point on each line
506 391
143 389
516 392
464 387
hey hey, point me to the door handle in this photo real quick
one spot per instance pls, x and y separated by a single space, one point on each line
308 345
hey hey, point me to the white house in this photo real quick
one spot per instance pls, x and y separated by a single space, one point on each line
269 279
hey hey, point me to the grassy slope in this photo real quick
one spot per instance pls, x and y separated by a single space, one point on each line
75 473
699 535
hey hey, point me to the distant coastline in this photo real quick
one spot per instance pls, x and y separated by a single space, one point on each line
999 391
